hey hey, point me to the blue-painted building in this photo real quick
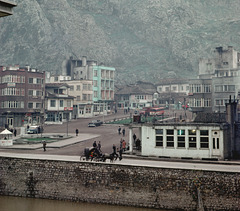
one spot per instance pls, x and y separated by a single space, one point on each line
103 88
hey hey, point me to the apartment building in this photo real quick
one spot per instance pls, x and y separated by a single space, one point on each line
218 78
58 103
82 90
22 92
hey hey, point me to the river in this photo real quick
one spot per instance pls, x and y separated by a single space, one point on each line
8 203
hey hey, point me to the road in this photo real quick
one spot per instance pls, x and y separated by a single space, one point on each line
222 167
107 134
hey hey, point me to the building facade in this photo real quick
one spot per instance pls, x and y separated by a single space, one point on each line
82 90
22 92
103 88
193 140
58 103
219 78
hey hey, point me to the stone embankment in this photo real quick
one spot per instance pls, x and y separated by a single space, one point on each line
118 184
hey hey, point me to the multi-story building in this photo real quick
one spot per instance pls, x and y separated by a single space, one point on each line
102 77
218 78
22 92
58 103
82 90
135 96
103 88
172 91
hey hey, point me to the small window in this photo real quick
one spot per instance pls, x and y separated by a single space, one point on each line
30 80
52 103
170 132
159 131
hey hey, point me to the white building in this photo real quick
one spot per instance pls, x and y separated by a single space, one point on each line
82 90
58 103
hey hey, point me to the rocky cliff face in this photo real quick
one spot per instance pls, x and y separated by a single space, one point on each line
142 39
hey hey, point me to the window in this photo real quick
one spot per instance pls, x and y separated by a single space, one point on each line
89 87
95 73
38 105
53 103
71 88
69 103
206 88
181 138
78 87
56 79
61 103
95 83
215 143
30 80
159 137
170 138
192 138
85 87
204 143
38 80
55 91
78 98
30 105
30 92
84 97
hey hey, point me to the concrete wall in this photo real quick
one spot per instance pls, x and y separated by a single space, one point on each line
119 184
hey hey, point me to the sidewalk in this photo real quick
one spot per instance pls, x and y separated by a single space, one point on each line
72 139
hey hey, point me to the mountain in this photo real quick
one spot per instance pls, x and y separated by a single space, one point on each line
143 39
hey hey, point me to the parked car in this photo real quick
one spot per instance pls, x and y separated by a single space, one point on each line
34 130
95 123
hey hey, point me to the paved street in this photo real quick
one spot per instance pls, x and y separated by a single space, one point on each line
106 133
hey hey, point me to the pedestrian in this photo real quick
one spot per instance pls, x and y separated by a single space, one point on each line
121 143
120 151
119 130
76 132
99 146
124 145
114 149
95 144
15 132
44 146
123 131
134 138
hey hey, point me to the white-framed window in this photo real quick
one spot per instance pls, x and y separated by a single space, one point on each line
159 137
170 137
181 138
192 139
204 139
52 103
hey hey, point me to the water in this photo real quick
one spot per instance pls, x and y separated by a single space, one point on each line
28 204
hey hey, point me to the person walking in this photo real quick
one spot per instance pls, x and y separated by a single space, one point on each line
123 131
95 144
119 130
44 146
15 132
120 151
124 145
134 138
99 146
76 132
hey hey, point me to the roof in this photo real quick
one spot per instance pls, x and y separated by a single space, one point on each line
56 85
133 89
63 96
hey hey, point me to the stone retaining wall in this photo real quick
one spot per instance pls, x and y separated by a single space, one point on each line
120 184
